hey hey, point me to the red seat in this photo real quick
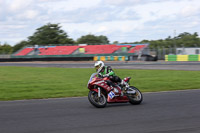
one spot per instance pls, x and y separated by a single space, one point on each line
137 48
58 50
25 51
102 49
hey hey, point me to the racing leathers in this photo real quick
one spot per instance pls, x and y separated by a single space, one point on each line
108 72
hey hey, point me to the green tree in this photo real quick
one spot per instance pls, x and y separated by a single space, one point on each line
187 39
103 39
6 49
116 42
184 39
20 45
92 39
50 34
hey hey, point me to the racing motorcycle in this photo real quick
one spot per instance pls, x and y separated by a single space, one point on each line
102 92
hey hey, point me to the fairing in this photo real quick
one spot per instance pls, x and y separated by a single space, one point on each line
96 81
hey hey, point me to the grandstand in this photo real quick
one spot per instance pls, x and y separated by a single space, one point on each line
85 50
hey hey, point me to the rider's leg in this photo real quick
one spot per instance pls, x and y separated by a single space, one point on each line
119 80
110 83
123 83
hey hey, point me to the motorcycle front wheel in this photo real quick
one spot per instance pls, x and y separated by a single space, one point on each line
99 102
135 98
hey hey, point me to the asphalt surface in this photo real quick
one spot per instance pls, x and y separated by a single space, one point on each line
192 66
164 112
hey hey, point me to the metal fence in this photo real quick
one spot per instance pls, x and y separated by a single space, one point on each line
5 56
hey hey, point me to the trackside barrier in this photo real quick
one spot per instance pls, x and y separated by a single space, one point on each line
110 58
199 57
182 57
103 58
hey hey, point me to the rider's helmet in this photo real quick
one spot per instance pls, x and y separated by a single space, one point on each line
99 66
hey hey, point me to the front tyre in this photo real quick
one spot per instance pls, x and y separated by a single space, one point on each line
135 98
99 102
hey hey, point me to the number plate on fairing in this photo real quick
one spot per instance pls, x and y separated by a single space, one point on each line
111 94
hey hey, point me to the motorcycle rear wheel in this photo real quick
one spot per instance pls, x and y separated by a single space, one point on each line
135 98
99 102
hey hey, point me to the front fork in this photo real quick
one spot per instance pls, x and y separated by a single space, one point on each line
99 92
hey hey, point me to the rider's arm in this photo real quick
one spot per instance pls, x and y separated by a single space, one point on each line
110 71
99 75
107 72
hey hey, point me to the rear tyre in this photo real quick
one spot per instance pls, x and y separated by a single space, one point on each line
99 102
135 98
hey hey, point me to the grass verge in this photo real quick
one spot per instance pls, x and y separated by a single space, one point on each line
35 83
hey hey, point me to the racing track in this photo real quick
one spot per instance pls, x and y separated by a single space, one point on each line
124 65
163 112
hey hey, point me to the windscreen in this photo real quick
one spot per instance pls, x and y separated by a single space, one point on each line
91 77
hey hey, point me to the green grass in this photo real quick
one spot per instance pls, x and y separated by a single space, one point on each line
36 83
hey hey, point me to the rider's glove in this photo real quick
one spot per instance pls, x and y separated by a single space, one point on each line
99 75
106 75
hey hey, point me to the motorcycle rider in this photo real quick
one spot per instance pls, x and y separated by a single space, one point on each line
106 71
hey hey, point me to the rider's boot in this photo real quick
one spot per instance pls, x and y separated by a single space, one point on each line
123 83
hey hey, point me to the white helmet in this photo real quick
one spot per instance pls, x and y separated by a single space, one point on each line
99 66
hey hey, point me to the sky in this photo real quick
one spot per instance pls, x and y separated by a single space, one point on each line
119 20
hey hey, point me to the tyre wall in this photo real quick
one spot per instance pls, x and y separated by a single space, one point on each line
182 57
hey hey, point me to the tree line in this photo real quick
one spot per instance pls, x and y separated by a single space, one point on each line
182 40
52 34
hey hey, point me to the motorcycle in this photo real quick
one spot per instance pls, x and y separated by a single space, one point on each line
102 92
